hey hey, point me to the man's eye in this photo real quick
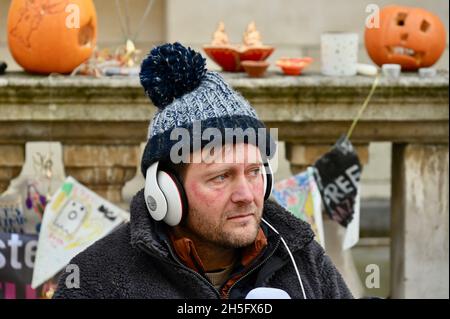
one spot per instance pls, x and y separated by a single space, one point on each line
255 171
219 178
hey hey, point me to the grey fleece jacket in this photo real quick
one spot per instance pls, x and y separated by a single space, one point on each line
137 261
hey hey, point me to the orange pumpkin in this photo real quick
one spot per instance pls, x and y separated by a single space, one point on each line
411 37
44 36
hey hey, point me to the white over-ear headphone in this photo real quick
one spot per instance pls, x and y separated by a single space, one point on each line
165 196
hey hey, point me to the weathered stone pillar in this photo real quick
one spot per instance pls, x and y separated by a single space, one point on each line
419 226
12 158
103 168
300 156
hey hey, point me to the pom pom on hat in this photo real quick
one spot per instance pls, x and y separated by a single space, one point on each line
170 71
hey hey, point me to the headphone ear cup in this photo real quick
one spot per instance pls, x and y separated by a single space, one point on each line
175 196
154 197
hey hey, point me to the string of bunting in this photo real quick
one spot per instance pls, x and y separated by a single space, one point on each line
363 107
338 173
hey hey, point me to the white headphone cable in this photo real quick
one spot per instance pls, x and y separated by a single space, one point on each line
290 255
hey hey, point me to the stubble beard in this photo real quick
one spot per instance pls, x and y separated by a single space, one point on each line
225 234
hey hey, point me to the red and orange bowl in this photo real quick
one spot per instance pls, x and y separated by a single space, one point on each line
255 69
293 66
229 57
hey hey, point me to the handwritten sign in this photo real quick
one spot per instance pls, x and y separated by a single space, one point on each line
12 217
337 174
300 195
74 219
21 210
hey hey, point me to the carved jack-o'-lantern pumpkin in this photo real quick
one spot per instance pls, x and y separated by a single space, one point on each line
411 37
47 36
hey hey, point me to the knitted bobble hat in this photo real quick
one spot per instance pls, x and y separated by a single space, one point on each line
176 80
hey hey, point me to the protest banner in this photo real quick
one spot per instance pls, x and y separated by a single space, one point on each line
17 256
299 194
74 219
337 174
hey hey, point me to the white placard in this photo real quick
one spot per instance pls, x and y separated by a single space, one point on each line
74 219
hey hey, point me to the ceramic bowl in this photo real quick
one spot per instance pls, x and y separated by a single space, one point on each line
293 66
255 69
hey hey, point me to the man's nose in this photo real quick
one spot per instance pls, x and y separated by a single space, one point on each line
242 191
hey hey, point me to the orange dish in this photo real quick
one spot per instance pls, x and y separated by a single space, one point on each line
229 57
293 66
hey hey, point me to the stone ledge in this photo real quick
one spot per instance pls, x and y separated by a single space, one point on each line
237 80
311 107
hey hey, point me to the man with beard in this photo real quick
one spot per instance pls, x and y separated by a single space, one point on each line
203 226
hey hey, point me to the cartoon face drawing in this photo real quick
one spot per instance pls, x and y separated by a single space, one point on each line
71 217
